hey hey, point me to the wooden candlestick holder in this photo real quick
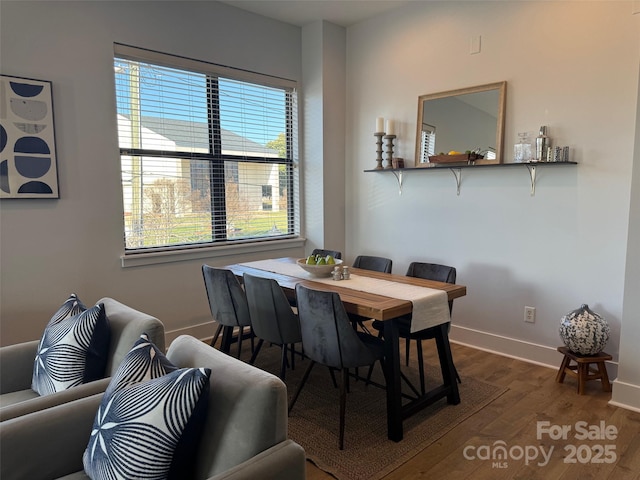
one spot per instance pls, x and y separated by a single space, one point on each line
389 139
379 136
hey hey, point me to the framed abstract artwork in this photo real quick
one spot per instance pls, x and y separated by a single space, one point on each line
28 164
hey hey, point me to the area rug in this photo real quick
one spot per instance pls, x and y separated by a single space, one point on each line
368 454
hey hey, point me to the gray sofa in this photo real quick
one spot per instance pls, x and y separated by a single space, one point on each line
244 436
16 362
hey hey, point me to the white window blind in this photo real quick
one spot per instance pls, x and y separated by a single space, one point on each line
206 158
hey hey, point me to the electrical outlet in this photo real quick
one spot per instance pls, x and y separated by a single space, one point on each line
530 314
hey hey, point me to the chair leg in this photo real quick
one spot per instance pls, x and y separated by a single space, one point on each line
240 335
333 377
371 371
255 352
283 361
343 404
407 348
420 365
364 327
302 382
216 335
293 356
227 339
369 374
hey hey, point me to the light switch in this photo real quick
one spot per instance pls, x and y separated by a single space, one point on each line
474 44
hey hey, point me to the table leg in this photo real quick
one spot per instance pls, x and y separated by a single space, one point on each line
392 377
446 364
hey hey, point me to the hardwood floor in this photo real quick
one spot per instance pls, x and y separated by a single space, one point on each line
512 421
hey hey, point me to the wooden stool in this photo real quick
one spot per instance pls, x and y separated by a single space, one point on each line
581 369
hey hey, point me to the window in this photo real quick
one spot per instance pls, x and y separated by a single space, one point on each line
207 153
267 193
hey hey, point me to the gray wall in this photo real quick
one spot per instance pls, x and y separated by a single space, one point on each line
50 248
626 389
572 66
323 167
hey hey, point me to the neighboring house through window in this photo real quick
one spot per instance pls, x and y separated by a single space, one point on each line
208 153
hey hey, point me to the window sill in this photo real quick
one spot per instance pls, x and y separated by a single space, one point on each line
154 258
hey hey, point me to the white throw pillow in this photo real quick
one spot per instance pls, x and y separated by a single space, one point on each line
149 423
73 349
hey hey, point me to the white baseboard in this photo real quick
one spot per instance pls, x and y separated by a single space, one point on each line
625 395
201 331
513 348
508 347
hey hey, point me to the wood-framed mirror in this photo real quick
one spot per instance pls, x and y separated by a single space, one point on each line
463 120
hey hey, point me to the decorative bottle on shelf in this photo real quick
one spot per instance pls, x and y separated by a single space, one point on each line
522 149
542 145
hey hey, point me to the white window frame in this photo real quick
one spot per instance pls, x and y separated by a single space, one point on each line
292 239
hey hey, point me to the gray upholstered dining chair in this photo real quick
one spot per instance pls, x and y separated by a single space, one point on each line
272 318
373 263
429 271
324 253
228 305
329 339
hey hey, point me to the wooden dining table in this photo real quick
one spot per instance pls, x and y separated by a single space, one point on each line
386 309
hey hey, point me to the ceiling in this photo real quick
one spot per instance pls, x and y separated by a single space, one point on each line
302 12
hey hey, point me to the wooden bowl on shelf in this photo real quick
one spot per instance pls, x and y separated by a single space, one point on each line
459 158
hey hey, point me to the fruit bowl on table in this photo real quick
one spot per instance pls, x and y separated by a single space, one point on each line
318 270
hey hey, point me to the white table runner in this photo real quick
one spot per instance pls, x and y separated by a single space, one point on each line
430 306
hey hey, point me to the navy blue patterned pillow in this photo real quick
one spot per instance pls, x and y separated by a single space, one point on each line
140 429
144 362
73 349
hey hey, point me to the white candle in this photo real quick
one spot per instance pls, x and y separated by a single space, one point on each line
379 124
391 127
